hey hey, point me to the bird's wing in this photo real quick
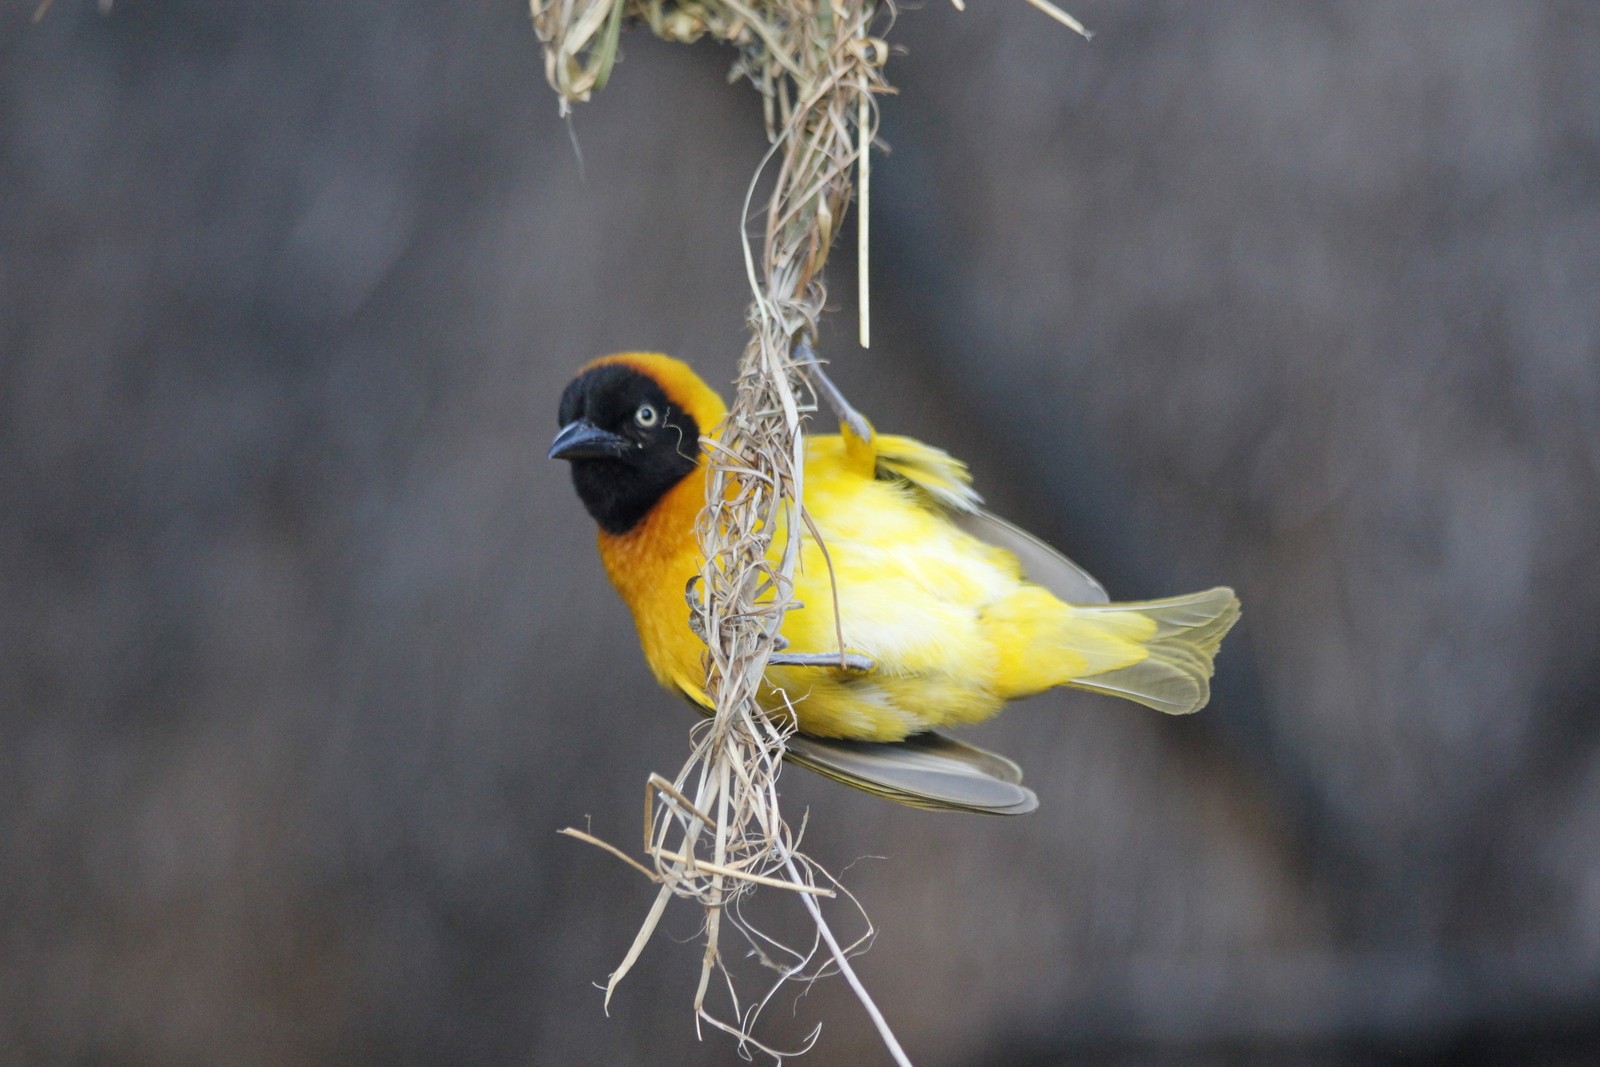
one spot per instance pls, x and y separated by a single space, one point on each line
932 470
926 771
946 480
1041 564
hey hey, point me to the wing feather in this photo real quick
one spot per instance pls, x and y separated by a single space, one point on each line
948 483
925 771
1041 564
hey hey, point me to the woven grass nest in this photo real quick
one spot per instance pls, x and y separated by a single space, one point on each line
714 832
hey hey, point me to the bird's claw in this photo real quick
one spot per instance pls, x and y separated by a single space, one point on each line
697 617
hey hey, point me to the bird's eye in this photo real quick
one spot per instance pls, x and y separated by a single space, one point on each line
647 416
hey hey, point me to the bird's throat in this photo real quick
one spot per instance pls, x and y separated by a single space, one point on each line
657 554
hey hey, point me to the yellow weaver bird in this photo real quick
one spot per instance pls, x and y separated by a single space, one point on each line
946 611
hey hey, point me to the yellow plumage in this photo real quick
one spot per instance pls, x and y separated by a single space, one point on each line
953 627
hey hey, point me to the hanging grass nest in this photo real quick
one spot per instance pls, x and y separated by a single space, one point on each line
714 832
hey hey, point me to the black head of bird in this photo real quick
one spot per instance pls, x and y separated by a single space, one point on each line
627 440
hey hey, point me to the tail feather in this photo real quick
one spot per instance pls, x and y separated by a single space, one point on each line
1174 675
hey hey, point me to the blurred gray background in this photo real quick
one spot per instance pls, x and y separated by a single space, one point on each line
306 653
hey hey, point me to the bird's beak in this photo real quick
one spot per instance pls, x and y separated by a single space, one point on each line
582 439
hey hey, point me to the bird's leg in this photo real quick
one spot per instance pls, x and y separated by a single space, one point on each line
849 417
846 661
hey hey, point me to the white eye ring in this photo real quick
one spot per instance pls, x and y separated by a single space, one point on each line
646 417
